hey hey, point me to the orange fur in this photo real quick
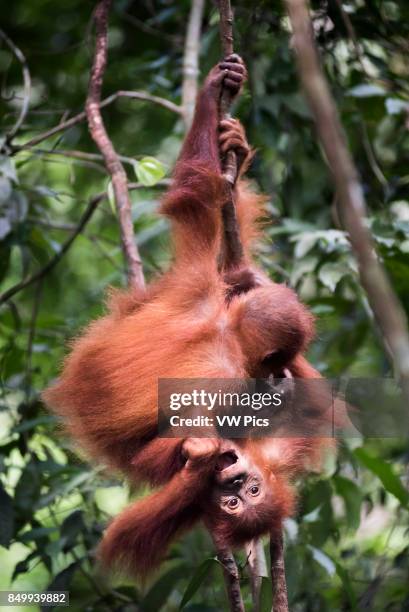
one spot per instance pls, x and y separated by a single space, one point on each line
189 323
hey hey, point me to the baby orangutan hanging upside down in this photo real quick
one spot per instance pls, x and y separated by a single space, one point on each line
202 319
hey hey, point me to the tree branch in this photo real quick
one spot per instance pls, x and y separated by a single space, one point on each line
387 309
352 35
31 337
280 600
112 162
191 61
81 155
75 231
32 278
257 569
232 249
65 125
231 578
27 85
226 39
231 255
360 57
148 29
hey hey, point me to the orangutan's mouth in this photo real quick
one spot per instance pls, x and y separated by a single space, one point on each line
225 460
284 373
282 383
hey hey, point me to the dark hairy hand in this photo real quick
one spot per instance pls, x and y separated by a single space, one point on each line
200 450
233 138
230 74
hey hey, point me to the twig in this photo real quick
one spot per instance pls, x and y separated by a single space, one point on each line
65 227
231 578
360 56
352 35
226 39
97 244
27 85
113 164
232 254
280 599
162 184
29 280
75 231
366 599
65 125
81 155
31 337
257 569
191 61
49 157
78 560
373 163
148 29
387 309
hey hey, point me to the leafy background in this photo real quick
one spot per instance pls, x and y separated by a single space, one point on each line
347 547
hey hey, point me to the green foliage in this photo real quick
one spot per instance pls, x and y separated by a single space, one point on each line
197 579
346 548
149 171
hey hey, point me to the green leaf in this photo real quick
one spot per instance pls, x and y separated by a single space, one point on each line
302 269
305 242
5 252
322 559
6 518
36 534
366 91
198 577
346 583
386 475
29 424
111 196
395 106
328 240
64 488
62 581
352 496
271 104
266 594
156 229
5 189
298 105
5 227
28 487
404 246
149 171
6 58
330 274
40 246
214 18
7 168
72 526
46 191
23 566
160 591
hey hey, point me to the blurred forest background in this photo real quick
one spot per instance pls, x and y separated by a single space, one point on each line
348 546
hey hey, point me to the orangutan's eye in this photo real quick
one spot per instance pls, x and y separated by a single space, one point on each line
233 503
254 490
